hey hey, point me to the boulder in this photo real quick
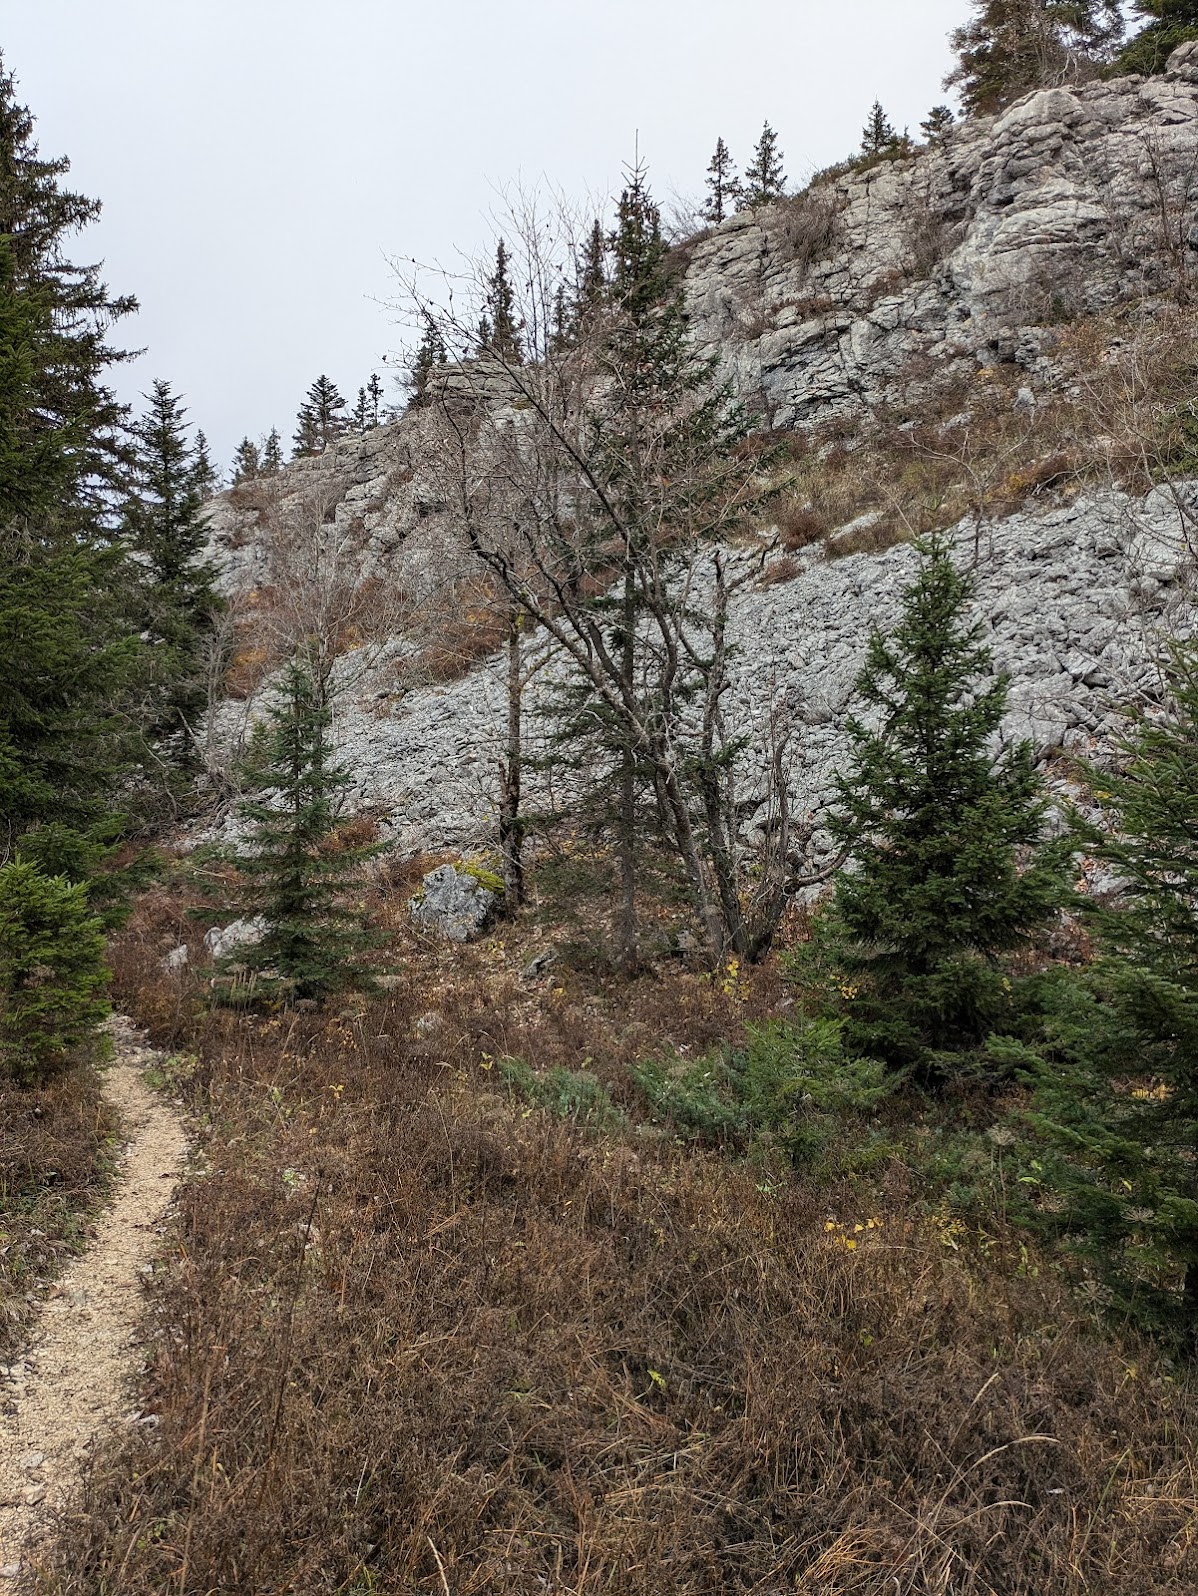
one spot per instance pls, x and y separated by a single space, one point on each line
222 940
453 904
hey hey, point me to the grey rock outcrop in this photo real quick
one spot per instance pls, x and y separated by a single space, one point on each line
223 940
453 903
882 280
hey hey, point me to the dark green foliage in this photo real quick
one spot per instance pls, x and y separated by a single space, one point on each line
724 188
591 271
796 1081
247 462
177 604
66 667
1119 1096
764 180
430 353
296 880
60 403
948 869
319 422
937 123
207 477
571 1094
878 136
52 972
367 411
1168 23
499 331
272 454
1011 47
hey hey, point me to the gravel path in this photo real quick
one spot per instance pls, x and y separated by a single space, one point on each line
71 1383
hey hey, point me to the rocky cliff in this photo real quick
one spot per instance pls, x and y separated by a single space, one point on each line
874 294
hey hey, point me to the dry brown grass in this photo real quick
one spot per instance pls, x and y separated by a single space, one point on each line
55 1158
414 1337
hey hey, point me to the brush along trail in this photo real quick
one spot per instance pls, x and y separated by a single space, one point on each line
71 1383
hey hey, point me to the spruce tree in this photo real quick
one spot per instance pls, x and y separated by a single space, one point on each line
948 867
374 401
177 603
359 416
207 477
878 136
68 731
271 462
296 879
591 272
430 353
937 123
52 971
1011 47
68 667
499 331
764 180
319 423
73 400
247 462
723 186
1118 1096
1168 23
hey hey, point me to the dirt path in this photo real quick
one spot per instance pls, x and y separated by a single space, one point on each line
71 1383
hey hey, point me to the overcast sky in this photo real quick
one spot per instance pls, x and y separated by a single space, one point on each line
259 160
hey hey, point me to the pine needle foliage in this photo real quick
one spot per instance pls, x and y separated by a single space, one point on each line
52 971
1118 1099
949 869
1168 23
296 880
764 180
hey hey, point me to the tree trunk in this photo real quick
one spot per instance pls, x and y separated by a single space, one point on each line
628 952
511 824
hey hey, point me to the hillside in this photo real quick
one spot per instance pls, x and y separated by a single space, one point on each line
644 907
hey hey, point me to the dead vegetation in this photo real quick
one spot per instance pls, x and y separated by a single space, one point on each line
416 1336
56 1146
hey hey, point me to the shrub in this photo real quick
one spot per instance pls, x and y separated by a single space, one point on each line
52 971
793 1079
571 1094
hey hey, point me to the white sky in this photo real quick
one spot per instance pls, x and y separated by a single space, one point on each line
258 159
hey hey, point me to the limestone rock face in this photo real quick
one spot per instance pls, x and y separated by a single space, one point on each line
453 904
864 294
963 253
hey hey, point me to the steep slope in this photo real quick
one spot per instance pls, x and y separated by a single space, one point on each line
1002 320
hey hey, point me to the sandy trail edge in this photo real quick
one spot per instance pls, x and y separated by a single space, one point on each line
72 1381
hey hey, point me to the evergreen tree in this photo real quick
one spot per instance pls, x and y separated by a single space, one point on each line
68 665
296 879
1168 23
207 477
878 136
764 181
430 354
591 272
69 398
67 727
374 401
1118 1098
319 423
178 604
935 825
1011 47
723 186
247 462
359 417
271 462
499 331
937 123
52 972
